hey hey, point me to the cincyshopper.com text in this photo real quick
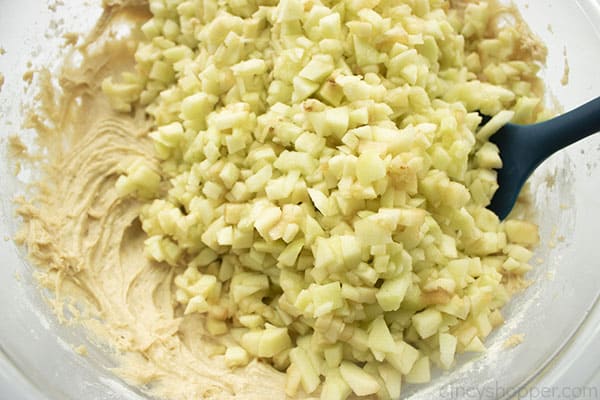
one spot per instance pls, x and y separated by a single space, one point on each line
496 392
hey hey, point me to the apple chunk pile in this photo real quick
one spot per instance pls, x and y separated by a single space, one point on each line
323 179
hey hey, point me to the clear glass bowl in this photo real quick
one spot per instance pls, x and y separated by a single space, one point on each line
556 313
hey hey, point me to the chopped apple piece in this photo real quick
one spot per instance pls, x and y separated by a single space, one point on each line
392 379
236 356
427 322
420 373
522 232
369 168
447 349
361 383
475 345
380 338
403 357
309 376
273 341
335 387
318 68
392 292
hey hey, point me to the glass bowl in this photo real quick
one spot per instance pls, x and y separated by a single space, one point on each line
556 314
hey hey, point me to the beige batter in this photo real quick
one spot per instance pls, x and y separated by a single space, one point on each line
90 245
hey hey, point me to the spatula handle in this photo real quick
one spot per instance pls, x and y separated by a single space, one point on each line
524 147
559 132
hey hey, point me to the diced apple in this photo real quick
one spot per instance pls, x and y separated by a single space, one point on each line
303 88
392 292
318 68
337 120
495 124
380 338
334 355
427 322
247 283
371 233
335 387
522 232
392 379
273 341
420 373
328 178
447 349
289 256
457 306
403 357
293 380
235 356
475 345
361 383
369 167
309 376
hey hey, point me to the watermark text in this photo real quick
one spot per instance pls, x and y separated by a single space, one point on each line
538 392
